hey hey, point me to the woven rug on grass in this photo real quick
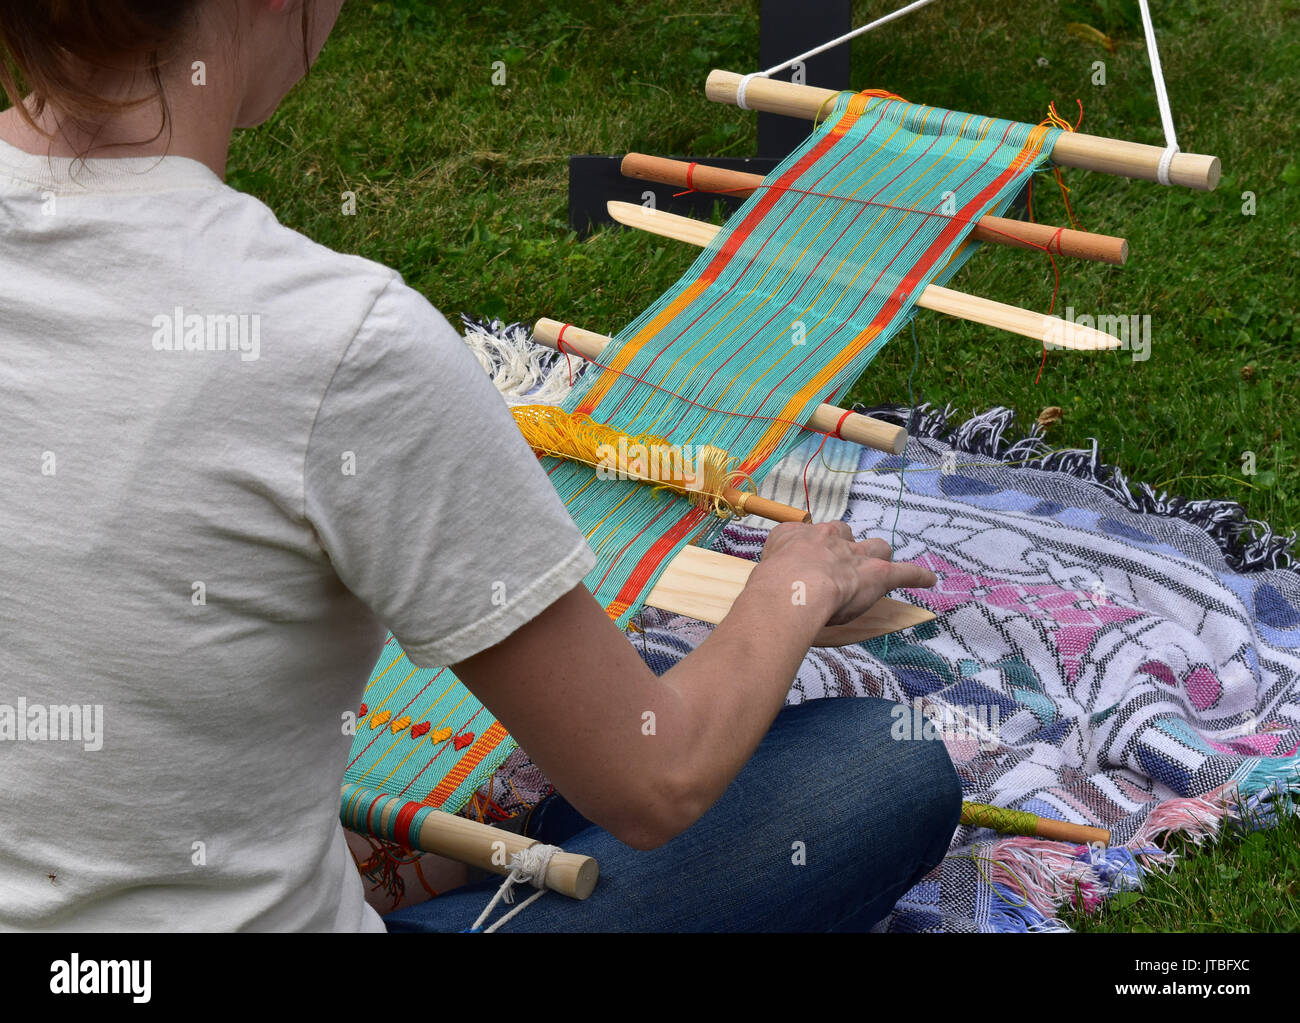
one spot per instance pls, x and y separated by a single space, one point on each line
1102 654
1114 660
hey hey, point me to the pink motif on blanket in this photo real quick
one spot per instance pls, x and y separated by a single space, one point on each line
1078 615
1203 688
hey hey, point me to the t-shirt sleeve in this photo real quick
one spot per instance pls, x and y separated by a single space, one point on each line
430 504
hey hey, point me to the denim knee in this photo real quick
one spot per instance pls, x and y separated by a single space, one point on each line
938 814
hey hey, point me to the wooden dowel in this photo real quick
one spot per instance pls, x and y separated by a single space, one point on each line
851 426
1017 822
747 503
1100 248
1072 149
1040 327
468 841
1064 831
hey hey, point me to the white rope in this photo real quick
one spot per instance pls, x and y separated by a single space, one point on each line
1162 97
917 5
744 82
527 865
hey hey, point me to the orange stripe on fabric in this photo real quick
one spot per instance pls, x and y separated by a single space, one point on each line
487 742
772 436
633 345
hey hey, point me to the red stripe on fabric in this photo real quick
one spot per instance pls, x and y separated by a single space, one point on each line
613 563
655 555
402 826
446 745
746 227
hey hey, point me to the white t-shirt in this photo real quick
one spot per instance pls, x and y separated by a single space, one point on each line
227 455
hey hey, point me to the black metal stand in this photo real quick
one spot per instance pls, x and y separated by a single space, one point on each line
787 27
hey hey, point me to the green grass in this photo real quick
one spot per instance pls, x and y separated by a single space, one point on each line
1246 882
462 186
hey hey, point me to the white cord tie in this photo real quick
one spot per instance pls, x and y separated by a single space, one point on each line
527 866
532 863
740 90
1166 158
744 82
1162 97
916 5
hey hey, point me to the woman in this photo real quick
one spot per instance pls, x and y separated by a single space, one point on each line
232 458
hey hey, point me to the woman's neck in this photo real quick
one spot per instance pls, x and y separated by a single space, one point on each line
201 119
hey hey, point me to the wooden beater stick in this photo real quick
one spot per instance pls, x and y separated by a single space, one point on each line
1022 234
703 585
850 426
1038 326
1072 149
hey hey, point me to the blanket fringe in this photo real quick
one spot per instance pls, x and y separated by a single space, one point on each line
524 372
1032 878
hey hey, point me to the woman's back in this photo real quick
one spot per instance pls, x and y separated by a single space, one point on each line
197 404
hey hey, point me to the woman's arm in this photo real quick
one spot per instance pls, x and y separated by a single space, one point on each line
645 756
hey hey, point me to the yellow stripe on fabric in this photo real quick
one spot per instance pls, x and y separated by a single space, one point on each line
801 399
395 660
399 685
630 348
420 742
771 264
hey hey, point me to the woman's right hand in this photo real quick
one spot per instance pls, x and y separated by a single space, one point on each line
841 575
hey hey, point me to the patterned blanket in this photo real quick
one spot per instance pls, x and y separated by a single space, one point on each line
1100 656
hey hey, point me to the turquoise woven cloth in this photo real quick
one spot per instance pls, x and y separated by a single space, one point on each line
782 311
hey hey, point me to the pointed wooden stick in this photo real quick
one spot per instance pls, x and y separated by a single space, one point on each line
1072 149
1101 248
1046 329
851 426
703 585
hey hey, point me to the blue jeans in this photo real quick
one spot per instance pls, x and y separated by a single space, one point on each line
825 828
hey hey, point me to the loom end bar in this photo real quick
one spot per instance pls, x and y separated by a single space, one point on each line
764 94
1135 160
1072 149
466 841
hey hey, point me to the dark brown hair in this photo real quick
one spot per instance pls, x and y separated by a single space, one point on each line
53 49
